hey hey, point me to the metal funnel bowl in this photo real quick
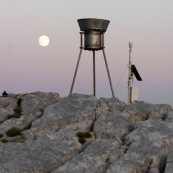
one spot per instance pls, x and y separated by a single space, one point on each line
93 24
93 32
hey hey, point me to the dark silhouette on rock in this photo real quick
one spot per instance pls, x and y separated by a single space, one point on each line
19 101
4 94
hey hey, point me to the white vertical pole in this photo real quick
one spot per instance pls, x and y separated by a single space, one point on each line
129 77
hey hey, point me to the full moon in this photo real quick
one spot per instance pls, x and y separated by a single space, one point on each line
44 40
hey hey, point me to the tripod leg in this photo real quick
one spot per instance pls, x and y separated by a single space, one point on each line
76 71
94 74
108 73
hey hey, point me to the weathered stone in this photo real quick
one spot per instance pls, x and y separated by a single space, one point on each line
92 159
109 105
159 111
4 112
154 170
169 163
7 102
169 116
118 124
135 138
32 107
71 109
149 144
42 155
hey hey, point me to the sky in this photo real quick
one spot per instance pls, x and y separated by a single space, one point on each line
27 67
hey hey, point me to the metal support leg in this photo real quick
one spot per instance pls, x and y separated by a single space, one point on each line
108 73
94 74
76 71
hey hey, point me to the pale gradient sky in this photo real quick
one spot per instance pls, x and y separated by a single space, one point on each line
26 66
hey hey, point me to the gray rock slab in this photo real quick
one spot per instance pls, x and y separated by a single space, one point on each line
4 112
93 159
71 109
159 111
169 163
118 124
109 105
8 102
32 107
169 116
41 155
147 148
135 138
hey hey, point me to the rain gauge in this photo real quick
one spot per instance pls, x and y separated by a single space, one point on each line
92 39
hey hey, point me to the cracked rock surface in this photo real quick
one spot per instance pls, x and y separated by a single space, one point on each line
81 134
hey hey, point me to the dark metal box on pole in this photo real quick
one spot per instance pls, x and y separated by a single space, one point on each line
93 32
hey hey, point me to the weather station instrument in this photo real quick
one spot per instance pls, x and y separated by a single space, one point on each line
92 39
132 91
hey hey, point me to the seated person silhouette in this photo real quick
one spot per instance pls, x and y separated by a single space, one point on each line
4 94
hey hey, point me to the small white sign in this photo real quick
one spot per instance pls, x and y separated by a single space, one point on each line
134 94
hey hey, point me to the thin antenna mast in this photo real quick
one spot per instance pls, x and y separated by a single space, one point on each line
130 73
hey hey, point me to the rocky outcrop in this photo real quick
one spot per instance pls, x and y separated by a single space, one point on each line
81 134
32 106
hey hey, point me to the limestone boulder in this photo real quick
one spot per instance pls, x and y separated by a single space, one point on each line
68 110
32 106
109 105
82 134
147 148
93 159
